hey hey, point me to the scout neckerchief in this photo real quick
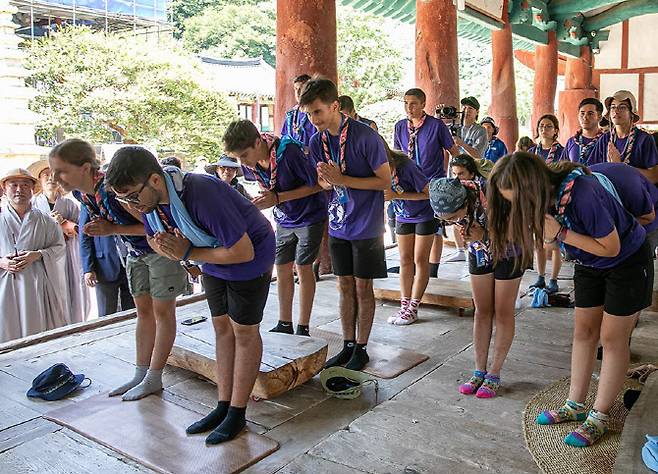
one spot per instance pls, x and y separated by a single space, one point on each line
630 141
563 197
100 203
412 150
584 150
341 192
293 121
165 220
551 152
266 182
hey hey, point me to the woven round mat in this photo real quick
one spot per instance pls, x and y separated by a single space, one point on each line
546 443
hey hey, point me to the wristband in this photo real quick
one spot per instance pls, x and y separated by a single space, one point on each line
187 253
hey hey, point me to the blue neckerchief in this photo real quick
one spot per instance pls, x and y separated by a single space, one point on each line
281 148
608 186
181 217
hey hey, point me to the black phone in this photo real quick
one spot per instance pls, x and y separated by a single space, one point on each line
194 320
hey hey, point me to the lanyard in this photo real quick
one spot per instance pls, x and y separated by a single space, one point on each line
585 150
630 141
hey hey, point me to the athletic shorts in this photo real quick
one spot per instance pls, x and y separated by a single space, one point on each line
155 275
301 244
622 290
243 301
503 270
359 258
420 228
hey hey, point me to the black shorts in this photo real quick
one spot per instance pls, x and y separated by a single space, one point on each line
421 228
359 258
503 270
243 301
622 290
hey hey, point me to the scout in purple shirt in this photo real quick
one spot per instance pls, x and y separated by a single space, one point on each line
547 148
579 147
425 139
289 184
200 218
415 228
297 124
613 278
347 108
352 162
154 280
625 143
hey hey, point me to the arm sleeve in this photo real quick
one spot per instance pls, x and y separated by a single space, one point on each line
586 209
87 248
445 138
397 144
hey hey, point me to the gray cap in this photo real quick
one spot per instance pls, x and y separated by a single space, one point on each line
447 195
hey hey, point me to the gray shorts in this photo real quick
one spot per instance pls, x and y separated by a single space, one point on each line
300 244
155 275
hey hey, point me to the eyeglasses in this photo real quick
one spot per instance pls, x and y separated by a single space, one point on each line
133 198
619 108
460 222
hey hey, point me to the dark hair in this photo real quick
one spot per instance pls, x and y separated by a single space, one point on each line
468 162
131 165
592 101
396 158
521 222
552 118
240 135
301 78
346 103
76 152
319 88
416 92
525 142
171 161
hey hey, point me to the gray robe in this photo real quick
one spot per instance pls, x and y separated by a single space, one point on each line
34 299
78 292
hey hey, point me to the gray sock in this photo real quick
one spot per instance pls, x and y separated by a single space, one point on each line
152 383
140 373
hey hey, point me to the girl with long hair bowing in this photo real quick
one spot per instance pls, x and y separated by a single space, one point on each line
415 228
530 203
495 284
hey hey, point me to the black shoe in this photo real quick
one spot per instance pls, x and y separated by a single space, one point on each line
359 358
343 357
283 327
302 330
393 270
599 353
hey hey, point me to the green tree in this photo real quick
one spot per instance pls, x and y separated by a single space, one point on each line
181 10
233 31
90 85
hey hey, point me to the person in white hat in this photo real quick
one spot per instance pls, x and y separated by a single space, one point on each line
49 198
32 276
625 142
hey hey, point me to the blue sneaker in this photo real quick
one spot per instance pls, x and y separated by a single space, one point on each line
552 287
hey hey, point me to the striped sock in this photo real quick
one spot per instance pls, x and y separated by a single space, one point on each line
570 411
592 429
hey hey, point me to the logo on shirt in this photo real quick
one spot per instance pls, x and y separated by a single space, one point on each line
336 214
278 214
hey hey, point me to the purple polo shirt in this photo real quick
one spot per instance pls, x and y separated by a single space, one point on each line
221 211
294 170
298 126
638 195
644 153
411 178
572 150
543 152
595 212
432 140
362 215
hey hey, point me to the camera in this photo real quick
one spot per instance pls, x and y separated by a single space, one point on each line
452 117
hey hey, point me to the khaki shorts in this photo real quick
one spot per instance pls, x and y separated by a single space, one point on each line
155 275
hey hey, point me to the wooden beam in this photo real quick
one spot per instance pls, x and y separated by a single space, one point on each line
564 7
569 49
530 33
621 12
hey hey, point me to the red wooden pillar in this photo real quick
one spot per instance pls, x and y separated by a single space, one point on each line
545 84
503 84
305 44
437 67
578 86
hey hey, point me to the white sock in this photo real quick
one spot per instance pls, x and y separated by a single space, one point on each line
152 383
140 373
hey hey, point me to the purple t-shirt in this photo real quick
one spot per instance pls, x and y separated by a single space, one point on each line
643 155
221 211
595 212
361 216
294 170
638 195
411 179
298 126
572 150
544 152
432 140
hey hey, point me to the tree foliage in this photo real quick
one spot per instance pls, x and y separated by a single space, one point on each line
90 85
181 10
